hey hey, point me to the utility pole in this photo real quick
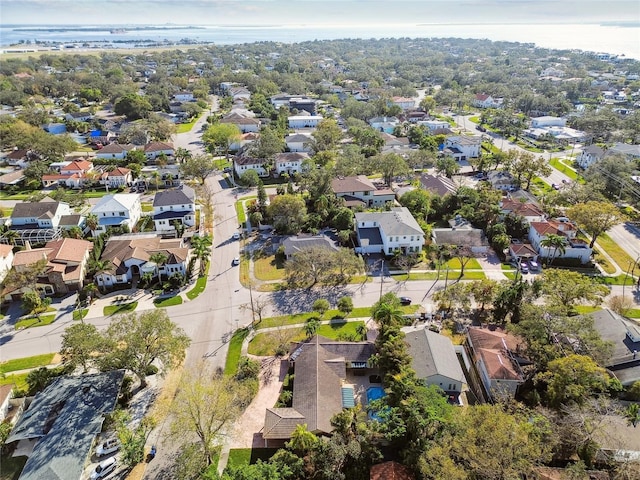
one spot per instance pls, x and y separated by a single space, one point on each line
381 277
253 312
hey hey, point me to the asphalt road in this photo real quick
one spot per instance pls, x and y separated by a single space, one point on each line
627 236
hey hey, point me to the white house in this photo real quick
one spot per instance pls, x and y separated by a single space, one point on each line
117 210
78 116
574 247
244 123
240 93
130 256
6 259
304 121
548 121
298 142
114 151
183 97
463 147
244 140
386 232
529 211
384 124
482 100
118 177
404 103
154 149
360 191
589 156
72 174
434 359
174 205
46 213
242 164
434 125
290 162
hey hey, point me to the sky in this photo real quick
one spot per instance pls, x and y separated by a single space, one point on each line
313 12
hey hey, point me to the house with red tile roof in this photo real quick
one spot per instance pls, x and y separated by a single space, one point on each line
154 149
118 177
529 211
74 174
575 248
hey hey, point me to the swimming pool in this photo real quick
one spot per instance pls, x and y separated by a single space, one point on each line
374 393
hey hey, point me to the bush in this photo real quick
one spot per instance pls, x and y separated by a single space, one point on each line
285 399
151 370
247 369
281 350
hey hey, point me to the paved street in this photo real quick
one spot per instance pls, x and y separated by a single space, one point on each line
627 236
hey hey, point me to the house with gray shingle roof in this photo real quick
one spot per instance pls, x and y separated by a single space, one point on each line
321 367
360 191
117 210
434 359
35 215
295 244
63 421
386 232
175 205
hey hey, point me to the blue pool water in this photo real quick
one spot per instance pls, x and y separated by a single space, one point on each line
374 393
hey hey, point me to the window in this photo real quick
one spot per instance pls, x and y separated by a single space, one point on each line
121 214
390 250
451 387
161 209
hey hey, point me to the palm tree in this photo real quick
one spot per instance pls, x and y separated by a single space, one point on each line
557 242
361 331
156 179
11 236
202 250
632 414
388 315
159 258
92 222
302 440
311 327
74 232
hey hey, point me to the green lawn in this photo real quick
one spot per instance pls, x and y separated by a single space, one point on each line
453 275
562 167
186 127
268 268
25 363
472 264
167 302
239 456
604 263
80 314
146 207
118 309
265 344
619 280
633 313
222 163
35 321
240 211
19 379
235 350
619 256
584 309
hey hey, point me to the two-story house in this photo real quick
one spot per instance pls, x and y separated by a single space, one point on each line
304 121
183 96
404 103
548 121
117 210
384 124
299 142
244 123
175 205
482 100
118 177
243 164
387 232
114 151
462 147
47 213
290 162
573 247
130 257
360 191
73 174
589 156
154 149
527 210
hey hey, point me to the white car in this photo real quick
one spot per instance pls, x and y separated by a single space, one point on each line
236 261
236 236
104 468
108 446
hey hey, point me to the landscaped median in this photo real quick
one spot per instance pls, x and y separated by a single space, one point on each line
119 308
167 301
36 321
201 284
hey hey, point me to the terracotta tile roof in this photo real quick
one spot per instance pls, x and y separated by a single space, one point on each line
358 183
481 96
157 147
68 249
5 250
29 257
523 250
520 208
390 471
494 347
119 172
83 165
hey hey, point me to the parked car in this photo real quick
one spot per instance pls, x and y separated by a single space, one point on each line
236 236
555 186
236 261
104 468
405 301
534 266
108 446
524 268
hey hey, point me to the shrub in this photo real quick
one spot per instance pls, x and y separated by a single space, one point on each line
247 369
151 370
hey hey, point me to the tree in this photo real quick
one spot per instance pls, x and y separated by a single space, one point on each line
132 106
206 405
556 242
311 327
92 222
250 178
309 266
526 166
135 341
159 258
327 135
573 379
80 344
563 288
288 213
483 292
262 198
418 202
198 167
345 305
388 314
132 438
202 250
38 379
220 136
302 440
268 145
321 305
390 165
427 104
32 302
632 414
447 166
595 217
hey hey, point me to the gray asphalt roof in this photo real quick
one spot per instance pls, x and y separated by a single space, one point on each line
432 354
184 195
66 417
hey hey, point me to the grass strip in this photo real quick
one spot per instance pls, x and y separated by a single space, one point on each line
167 302
235 350
35 321
201 284
118 309
26 362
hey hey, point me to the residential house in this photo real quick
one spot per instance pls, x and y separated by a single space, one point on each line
394 144
404 103
384 124
387 232
240 93
55 128
618 441
304 121
66 261
522 251
463 147
183 96
624 335
6 260
19 157
244 123
417 116
114 151
242 164
495 360
168 176
360 191
589 156
14 177
299 142
118 177
62 422
290 162
502 181
10 408
117 210
174 205
78 116
632 152
438 184
434 359
574 247
462 235
244 140
295 244
435 125
548 121
527 210
46 213
326 373
74 174
154 149
130 256
285 100
482 100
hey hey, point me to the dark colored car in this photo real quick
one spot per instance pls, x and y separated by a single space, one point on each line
405 301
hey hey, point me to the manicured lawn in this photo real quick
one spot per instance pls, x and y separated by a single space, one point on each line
562 167
240 211
26 362
19 379
35 321
268 268
201 284
167 302
235 350
633 313
80 314
472 264
604 263
453 275
146 207
186 127
584 309
619 256
221 163
239 456
510 275
118 309
619 280
264 344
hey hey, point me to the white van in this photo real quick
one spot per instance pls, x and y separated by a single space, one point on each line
104 468
108 446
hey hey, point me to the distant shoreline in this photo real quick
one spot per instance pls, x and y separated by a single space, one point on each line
105 28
